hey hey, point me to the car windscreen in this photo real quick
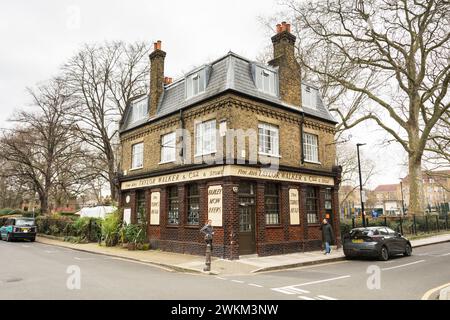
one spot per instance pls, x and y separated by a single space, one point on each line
362 233
24 222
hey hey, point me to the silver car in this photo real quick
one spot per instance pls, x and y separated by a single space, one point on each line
377 242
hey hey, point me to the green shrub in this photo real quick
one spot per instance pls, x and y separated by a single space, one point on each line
134 233
5 211
110 229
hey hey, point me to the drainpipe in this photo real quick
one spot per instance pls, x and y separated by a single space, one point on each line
182 125
302 151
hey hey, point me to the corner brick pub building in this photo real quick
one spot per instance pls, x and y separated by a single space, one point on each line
169 180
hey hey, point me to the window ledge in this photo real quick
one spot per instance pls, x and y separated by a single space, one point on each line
274 226
168 161
212 153
137 168
313 162
313 224
269 155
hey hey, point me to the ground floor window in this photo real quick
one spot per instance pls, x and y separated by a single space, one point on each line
141 207
271 204
193 202
312 213
173 205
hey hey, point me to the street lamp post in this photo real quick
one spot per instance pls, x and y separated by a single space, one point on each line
360 185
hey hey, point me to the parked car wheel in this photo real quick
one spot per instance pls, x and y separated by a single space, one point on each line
408 250
384 254
33 239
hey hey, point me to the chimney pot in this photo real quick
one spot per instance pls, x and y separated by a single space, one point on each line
278 28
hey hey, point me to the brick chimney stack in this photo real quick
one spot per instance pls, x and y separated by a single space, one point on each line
156 77
289 69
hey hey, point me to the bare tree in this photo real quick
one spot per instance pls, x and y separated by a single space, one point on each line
394 54
43 147
102 79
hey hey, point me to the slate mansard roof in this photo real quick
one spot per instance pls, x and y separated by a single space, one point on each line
231 72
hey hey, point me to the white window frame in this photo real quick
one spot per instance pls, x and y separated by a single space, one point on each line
137 156
139 110
268 140
195 84
168 147
311 147
266 81
205 135
309 97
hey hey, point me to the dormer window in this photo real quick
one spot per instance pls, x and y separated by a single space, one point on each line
266 80
196 83
139 109
309 97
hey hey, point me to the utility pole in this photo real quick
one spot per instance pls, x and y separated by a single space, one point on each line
360 185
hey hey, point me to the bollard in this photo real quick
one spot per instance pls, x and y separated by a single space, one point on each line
426 223
437 223
353 222
446 221
208 258
385 221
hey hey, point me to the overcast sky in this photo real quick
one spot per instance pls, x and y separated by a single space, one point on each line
37 37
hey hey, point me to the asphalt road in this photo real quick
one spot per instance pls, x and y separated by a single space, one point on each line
38 271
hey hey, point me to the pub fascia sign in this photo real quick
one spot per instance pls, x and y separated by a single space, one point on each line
228 170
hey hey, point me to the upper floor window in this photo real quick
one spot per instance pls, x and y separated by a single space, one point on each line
205 138
139 109
309 97
196 83
268 139
168 147
266 80
311 147
137 156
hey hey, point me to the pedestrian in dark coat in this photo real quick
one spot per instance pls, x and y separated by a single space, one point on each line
327 235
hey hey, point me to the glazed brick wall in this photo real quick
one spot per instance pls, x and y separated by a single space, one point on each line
270 240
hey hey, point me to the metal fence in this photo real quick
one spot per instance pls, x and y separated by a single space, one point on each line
411 225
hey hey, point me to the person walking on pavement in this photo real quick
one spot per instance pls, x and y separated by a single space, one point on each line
327 235
208 231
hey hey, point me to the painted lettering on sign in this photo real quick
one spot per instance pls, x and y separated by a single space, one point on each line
155 208
215 205
294 206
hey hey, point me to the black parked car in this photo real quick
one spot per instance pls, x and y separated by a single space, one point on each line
377 242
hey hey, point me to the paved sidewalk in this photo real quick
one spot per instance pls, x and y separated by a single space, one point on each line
245 265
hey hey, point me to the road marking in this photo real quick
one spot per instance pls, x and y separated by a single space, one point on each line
50 251
445 254
221 278
83 259
25 246
306 298
402 265
255 285
428 294
326 297
237 281
321 281
290 290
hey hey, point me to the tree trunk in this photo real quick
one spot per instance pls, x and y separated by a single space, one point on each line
43 198
416 197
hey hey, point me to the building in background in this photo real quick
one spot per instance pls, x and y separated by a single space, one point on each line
388 197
